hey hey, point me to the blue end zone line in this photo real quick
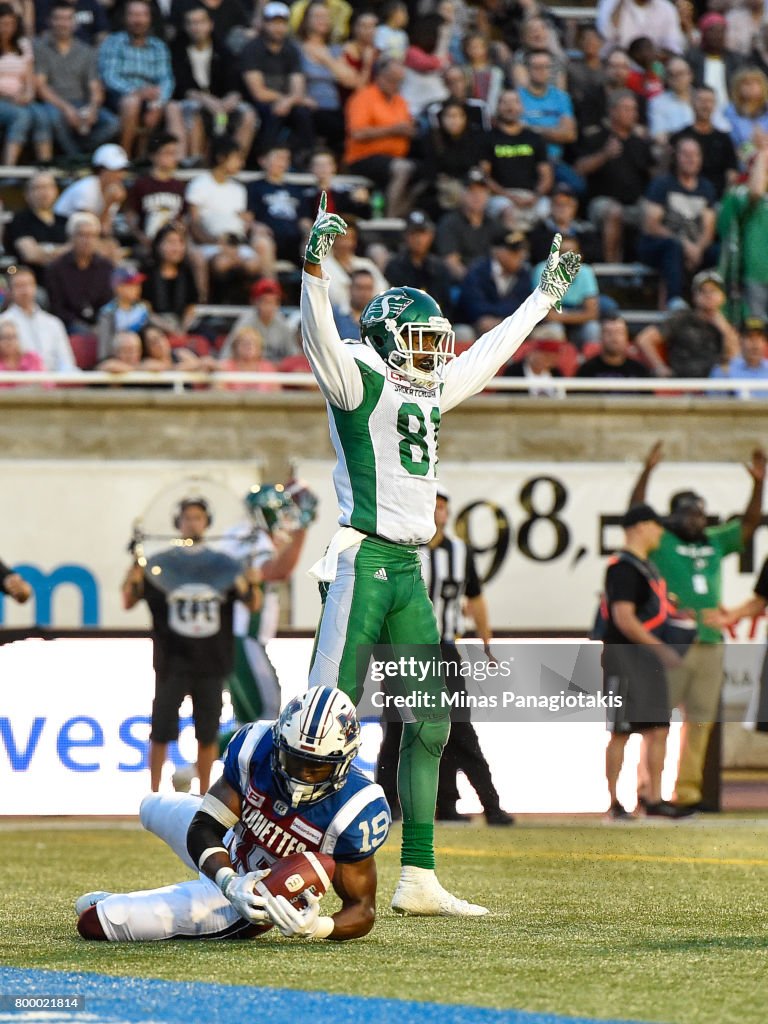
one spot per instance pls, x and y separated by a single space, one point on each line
139 1000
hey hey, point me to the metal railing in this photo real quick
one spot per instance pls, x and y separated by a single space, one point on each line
558 385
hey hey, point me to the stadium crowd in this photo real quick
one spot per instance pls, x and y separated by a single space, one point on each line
181 148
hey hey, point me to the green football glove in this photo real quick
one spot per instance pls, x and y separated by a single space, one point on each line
323 233
559 272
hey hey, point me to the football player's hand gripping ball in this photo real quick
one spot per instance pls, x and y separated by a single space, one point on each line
239 890
292 922
559 272
323 233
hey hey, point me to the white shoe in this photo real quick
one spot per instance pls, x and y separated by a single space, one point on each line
88 900
419 892
182 779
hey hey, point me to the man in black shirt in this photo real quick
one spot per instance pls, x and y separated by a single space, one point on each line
515 161
467 233
634 659
271 67
613 361
617 160
718 156
191 592
37 235
416 265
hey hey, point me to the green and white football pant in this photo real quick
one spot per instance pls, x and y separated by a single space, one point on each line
379 597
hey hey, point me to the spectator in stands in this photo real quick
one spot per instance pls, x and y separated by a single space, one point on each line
343 260
587 77
718 156
748 110
206 98
621 21
91 22
219 217
672 110
125 312
124 353
448 153
425 62
457 86
467 233
616 161
271 67
416 265
581 304
485 80
679 221
743 22
101 193
247 357
157 198
613 361
79 281
618 76
343 199
712 64
38 331
359 50
515 161
644 79
267 318
379 133
37 234
276 203
361 291
390 38
159 355
339 10
563 208
169 285
750 364
690 342
326 74
135 68
538 33
12 357
68 84
539 364
227 16
496 285
547 110
21 118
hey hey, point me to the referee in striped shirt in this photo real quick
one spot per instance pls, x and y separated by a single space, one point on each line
451 578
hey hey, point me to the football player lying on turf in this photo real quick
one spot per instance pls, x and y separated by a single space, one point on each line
385 397
286 788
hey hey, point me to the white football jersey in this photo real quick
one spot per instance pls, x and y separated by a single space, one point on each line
385 428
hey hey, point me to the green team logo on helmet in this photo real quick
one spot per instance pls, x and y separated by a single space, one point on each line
273 504
408 330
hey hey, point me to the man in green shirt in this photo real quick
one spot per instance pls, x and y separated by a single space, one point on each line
689 559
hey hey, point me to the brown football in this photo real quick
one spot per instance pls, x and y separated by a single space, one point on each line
292 876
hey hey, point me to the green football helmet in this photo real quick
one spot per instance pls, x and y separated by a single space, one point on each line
408 330
274 506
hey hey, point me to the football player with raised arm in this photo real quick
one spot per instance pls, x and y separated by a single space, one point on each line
289 787
385 396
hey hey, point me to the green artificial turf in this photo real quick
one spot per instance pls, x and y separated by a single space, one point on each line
655 923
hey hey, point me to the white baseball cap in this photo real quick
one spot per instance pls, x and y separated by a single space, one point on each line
111 157
276 10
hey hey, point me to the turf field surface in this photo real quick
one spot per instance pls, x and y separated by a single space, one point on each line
652 922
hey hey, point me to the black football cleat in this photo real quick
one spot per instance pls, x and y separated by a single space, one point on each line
499 817
665 809
617 812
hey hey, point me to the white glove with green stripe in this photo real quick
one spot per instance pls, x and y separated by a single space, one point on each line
559 272
323 233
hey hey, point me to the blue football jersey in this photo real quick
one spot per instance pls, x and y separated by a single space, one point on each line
349 824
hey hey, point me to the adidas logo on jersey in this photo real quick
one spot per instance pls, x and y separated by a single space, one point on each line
380 574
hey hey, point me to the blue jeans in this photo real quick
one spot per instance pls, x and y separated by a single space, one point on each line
73 144
21 122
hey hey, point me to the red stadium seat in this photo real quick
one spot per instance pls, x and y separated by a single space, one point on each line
85 348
